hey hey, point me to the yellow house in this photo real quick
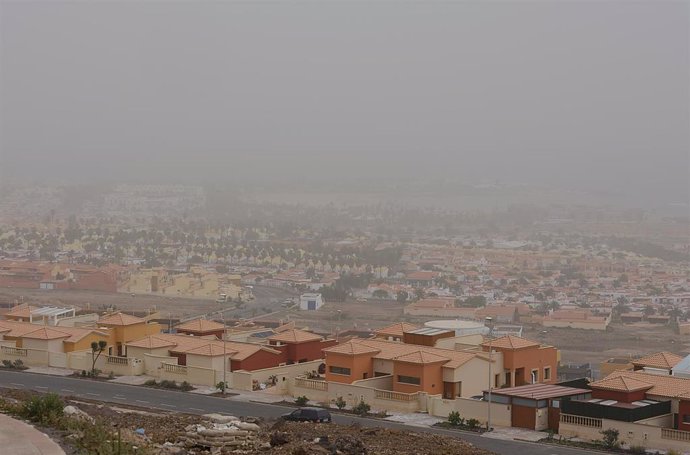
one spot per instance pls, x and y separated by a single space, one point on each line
125 328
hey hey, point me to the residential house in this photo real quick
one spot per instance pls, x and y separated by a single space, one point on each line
201 328
524 361
299 346
125 328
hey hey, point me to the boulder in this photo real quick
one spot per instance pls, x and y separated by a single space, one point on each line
76 413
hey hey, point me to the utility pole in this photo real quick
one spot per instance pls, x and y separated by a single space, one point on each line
225 359
489 323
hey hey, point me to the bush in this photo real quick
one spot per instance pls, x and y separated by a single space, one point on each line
186 386
362 408
6 363
43 409
301 401
340 403
454 418
637 450
222 386
151 383
18 364
111 375
610 438
472 424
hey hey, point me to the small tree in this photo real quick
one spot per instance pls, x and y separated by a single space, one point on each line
222 386
472 424
301 401
610 438
340 403
97 348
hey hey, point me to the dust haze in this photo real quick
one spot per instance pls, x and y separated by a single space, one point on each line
570 98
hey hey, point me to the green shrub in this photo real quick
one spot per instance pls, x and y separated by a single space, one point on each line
340 403
301 401
186 386
454 418
43 409
472 424
222 386
151 383
362 408
18 364
7 364
610 438
637 450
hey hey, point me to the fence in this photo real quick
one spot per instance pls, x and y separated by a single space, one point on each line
174 369
311 384
16 352
589 422
676 435
395 396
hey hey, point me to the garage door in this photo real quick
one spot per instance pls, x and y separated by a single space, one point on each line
523 417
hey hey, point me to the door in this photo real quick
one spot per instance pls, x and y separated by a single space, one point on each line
523 417
311 305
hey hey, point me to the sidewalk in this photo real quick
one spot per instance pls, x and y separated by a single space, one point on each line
19 438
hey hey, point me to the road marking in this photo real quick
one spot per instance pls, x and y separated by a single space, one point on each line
197 409
41 387
141 401
67 390
93 394
168 405
18 385
117 397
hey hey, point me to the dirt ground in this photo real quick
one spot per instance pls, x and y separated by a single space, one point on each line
275 437
622 340
176 307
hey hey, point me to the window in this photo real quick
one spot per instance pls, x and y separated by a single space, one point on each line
409 380
556 404
686 418
547 373
339 370
535 376
497 380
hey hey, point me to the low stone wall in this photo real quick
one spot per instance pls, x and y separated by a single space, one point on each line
637 434
471 409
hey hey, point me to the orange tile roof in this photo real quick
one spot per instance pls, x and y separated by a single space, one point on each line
46 333
665 360
396 329
421 357
151 342
621 384
17 329
184 344
391 350
200 325
295 336
120 319
660 385
21 311
211 350
511 342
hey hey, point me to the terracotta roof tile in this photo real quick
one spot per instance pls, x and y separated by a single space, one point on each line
421 357
396 329
511 342
120 319
200 325
295 336
666 360
46 333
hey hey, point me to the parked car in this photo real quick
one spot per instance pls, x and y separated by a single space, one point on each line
308 415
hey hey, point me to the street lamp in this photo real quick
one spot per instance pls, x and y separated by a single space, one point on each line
489 323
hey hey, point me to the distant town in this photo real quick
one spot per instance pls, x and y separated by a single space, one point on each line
546 324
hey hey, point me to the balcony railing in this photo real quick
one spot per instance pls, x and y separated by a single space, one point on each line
19 352
112 360
395 396
311 384
676 435
581 421
175 369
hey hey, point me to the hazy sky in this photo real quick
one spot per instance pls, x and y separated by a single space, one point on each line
582 94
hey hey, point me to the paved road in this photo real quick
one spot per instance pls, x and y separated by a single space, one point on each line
200 404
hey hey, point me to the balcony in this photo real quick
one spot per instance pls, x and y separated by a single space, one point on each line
580 421
174 369
17 352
